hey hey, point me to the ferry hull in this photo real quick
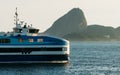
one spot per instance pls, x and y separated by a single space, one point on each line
34 58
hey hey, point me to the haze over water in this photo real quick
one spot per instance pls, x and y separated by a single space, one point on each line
86 58
43 13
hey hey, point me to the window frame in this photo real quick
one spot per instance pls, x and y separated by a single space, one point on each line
30 40
39 40
20 40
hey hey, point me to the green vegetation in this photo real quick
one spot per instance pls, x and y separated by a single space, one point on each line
96 32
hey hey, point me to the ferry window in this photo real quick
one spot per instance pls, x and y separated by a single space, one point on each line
64 49
20 40
39 40
33 30
4 40
30 40
7 41
18 30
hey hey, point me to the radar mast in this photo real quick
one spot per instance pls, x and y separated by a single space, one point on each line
16 17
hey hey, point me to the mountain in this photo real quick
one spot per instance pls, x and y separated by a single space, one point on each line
73 26
99 31
93 32
72 22
118 32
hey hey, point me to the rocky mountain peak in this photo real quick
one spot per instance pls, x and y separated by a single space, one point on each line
73 21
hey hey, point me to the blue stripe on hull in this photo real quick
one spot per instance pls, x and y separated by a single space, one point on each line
33 58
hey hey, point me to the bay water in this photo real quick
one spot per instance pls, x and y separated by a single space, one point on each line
86 58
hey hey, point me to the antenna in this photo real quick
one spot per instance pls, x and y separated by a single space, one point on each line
16 16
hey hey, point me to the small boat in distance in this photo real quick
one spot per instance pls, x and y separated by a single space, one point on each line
24 45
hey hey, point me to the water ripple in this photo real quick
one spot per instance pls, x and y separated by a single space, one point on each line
86 58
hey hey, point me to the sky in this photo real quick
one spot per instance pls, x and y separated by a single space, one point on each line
43 13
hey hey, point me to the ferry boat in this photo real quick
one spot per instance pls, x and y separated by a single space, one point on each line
24 45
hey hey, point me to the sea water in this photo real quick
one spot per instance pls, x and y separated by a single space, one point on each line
86 58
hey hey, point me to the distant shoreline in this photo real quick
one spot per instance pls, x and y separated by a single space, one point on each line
112 40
